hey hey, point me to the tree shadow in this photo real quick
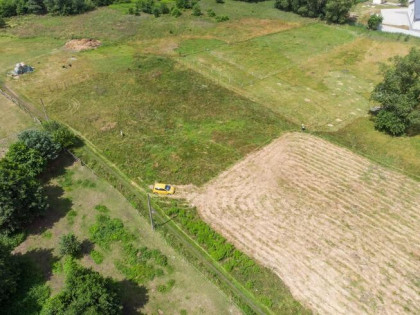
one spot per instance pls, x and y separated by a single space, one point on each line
87 247
171 218
57 167
133 296
58 208
43 259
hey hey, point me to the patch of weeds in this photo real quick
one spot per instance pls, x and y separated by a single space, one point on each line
97 257
47 235
85 183
106 231
66 180
183 312
57 267
166 288
102 208
70 216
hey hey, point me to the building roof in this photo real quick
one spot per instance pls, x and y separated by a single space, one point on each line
416 10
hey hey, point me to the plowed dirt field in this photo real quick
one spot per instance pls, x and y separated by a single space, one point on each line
342 232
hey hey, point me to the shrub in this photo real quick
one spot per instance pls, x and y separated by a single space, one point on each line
337 11
41 141
222 18
211 13
175 12
375 21
9 274
69 245
164 8
156 12
85 292
220 1
196 11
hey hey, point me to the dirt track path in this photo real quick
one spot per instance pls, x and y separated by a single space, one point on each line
342 232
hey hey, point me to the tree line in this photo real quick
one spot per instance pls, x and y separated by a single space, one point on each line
22 198
335 11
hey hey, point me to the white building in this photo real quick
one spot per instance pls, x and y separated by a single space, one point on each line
402 20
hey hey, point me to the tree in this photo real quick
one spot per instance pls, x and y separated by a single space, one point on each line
9 274
337 11
21 197
27 159
85 292
41 141
374 21
60 134
399 94
70 245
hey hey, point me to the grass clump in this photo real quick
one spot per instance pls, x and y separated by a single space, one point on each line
71 215
102 208
106 231
97 257
162 288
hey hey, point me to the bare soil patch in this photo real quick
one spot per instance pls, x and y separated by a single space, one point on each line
82 44
341 232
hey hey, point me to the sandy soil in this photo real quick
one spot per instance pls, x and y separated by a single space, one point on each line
82 44
342 232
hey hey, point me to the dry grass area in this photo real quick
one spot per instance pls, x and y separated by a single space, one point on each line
340 231
82 44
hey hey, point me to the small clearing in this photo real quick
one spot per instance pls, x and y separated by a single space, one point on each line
82 44
340 231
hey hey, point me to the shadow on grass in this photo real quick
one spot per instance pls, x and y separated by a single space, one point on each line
43 259
59 206
87 247
133 296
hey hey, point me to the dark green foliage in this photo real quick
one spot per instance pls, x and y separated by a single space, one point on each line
175 12
85 292
196 11
42 142
68 7
164 8
156 12
60 134
220 1
335 11
222 18
374 21
69 245
399 94
183 4
211 13
31 289
403 3
27 159
9 274
2 23
21 197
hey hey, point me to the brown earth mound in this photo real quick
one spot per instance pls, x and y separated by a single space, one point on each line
82 44
341 231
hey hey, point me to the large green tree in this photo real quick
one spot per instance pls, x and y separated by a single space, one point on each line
42 142
399 95
21 197
85 292
27 159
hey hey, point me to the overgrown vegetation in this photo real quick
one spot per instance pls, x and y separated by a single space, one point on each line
336 11
375 21
69 245
399 94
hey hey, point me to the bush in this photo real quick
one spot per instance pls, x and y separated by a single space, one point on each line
404 3
375 21
175 12
85 292
9 274
164 8
156 12
97 257
222 18
220 1
42 142
337 11
69 245
196 11
60 134
211 13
